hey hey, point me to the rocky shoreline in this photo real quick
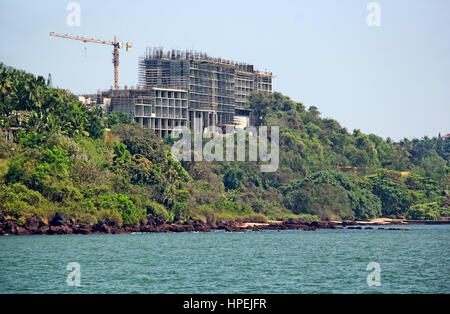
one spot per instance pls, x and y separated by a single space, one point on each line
61 224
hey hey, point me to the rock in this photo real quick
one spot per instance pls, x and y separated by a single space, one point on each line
163 228
82 229
299 224
349 223
147 228
22 231
157 220
60 219
42 230
200 226
60 230
101 227
9 227
323 225
33 224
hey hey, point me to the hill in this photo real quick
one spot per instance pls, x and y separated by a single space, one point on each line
64 159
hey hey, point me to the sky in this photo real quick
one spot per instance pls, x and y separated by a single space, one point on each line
391 79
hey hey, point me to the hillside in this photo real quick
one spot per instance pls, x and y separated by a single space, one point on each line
63 159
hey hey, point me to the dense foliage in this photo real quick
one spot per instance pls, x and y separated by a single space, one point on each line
64 159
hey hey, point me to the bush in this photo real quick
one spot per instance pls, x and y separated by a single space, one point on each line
154 208
90 219
394 198
121 204
427 211
17 200
15 171
110 217
115 118
56 156
232 179
256 218
179 210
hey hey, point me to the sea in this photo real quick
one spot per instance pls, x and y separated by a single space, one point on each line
267 262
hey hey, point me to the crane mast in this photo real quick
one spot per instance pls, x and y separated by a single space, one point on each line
116 46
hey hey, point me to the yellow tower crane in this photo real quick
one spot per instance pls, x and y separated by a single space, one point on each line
116 46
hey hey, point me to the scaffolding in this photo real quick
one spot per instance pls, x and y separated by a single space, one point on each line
215 85
186 88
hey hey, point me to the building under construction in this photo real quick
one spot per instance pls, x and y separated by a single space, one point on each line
187 88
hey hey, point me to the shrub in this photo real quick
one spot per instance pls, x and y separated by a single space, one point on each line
124 206
115 118
256 218
15 171
232 179
154 208
110 217
179 210
17 200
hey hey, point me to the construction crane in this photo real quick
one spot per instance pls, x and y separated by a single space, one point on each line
116 46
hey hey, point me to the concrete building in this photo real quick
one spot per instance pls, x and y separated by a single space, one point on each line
160 109
188 88
218 89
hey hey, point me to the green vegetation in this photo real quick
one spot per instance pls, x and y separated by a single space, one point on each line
64 159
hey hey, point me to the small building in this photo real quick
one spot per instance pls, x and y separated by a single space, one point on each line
160 109
349 169
10 133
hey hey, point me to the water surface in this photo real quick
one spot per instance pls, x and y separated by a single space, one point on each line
323 261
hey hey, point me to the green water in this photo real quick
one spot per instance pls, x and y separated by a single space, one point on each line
324 261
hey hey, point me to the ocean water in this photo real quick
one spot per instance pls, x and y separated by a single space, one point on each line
323 261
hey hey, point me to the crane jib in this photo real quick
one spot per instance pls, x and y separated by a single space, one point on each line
117 45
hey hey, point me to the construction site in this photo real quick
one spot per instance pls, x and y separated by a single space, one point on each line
186 88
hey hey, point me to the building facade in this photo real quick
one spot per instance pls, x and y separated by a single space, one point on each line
185 88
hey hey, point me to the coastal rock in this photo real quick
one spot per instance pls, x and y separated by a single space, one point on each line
229 227
42 230
200 226
323 225
9 227
82 229
22 231
147 228
349 223
101 227
299 224
157 220
60 230
60 219
34 224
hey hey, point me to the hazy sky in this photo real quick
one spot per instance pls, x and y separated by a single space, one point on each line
392 80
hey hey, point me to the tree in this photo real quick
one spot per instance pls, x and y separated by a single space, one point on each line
232 179
115 118
395 200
